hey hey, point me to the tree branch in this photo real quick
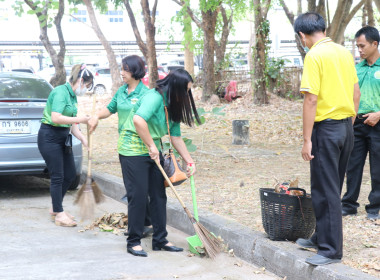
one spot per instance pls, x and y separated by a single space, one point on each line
189 11
153 15
288 13
136 31
58 27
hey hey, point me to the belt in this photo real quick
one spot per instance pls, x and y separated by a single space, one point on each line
360 116
334 121
54 127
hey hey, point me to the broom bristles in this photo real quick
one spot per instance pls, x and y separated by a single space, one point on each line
98 194
213 246
86 204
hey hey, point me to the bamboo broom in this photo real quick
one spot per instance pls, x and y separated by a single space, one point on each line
213 246
89 194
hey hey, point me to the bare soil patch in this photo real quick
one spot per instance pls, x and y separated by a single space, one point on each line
228 177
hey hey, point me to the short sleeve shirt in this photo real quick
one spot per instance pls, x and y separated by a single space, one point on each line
369 83
329 72
151 108
63 100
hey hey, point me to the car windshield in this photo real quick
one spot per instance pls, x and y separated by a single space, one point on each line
104 71
12 87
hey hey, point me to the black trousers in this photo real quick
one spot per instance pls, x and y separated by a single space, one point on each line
61 166
332 142
367 140
143 179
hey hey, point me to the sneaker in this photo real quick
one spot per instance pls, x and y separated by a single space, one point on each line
321 260
372 216
306 243
349 212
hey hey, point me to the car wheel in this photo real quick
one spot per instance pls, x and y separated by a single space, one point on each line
75 184
100 89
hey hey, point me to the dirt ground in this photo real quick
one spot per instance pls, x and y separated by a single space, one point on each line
229 176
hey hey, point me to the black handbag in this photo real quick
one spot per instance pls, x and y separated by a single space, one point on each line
69 144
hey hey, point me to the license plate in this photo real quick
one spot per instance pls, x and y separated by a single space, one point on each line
15 126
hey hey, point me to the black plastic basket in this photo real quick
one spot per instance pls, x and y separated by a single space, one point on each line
287 217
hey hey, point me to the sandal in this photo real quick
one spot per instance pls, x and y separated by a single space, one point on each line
53 214
65 223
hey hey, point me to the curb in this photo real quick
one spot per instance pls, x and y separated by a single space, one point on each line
280 257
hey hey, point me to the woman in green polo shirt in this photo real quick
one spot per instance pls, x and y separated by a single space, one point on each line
133 70
60 114
144 128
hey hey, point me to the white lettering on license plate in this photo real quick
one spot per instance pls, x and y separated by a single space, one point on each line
15 126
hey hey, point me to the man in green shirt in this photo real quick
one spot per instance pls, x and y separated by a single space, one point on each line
366 127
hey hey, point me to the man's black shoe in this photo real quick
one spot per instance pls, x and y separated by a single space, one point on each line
321 260
306 243
349 212
372 216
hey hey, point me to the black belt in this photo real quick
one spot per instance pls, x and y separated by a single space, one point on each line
360 116
334 121
54 127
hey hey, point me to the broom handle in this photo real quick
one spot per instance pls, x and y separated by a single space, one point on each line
89 137
194 197
171 185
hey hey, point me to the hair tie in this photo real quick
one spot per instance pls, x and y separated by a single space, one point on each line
83 66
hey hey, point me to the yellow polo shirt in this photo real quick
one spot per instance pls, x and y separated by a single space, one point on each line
329 72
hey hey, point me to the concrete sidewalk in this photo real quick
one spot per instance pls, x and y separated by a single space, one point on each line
32 247
282 258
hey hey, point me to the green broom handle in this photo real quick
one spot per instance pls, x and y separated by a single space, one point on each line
194 197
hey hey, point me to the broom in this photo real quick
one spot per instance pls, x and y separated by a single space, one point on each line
213 246
89 193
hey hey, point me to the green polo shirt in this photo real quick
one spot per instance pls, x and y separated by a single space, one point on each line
151 108
62 100
369 83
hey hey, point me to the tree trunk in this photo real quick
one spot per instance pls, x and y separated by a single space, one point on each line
262 31
347 16
115 73
221 46
59 77
188 44
252 43
370 17
290 17
150 31
299 7
148 49
208 23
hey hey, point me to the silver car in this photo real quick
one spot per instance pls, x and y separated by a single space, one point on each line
22 100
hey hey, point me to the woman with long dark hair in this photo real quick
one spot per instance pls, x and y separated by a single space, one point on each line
59 117
146 126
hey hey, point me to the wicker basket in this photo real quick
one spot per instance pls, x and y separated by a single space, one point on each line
287 217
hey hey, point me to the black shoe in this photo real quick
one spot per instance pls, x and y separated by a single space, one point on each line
138 253
306 243
321 260
167 248
349 212
372 216
147 231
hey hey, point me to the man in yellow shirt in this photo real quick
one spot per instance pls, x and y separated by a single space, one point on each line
331 99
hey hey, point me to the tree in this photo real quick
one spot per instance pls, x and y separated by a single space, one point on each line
261 8
41 10
149 48
115 73
211 12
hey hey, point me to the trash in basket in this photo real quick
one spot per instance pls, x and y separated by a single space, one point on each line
287 217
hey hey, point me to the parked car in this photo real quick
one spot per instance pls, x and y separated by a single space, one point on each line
161 74
22 101
29 70
48 73
102 80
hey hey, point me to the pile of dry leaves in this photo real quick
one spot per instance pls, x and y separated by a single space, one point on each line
116 223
